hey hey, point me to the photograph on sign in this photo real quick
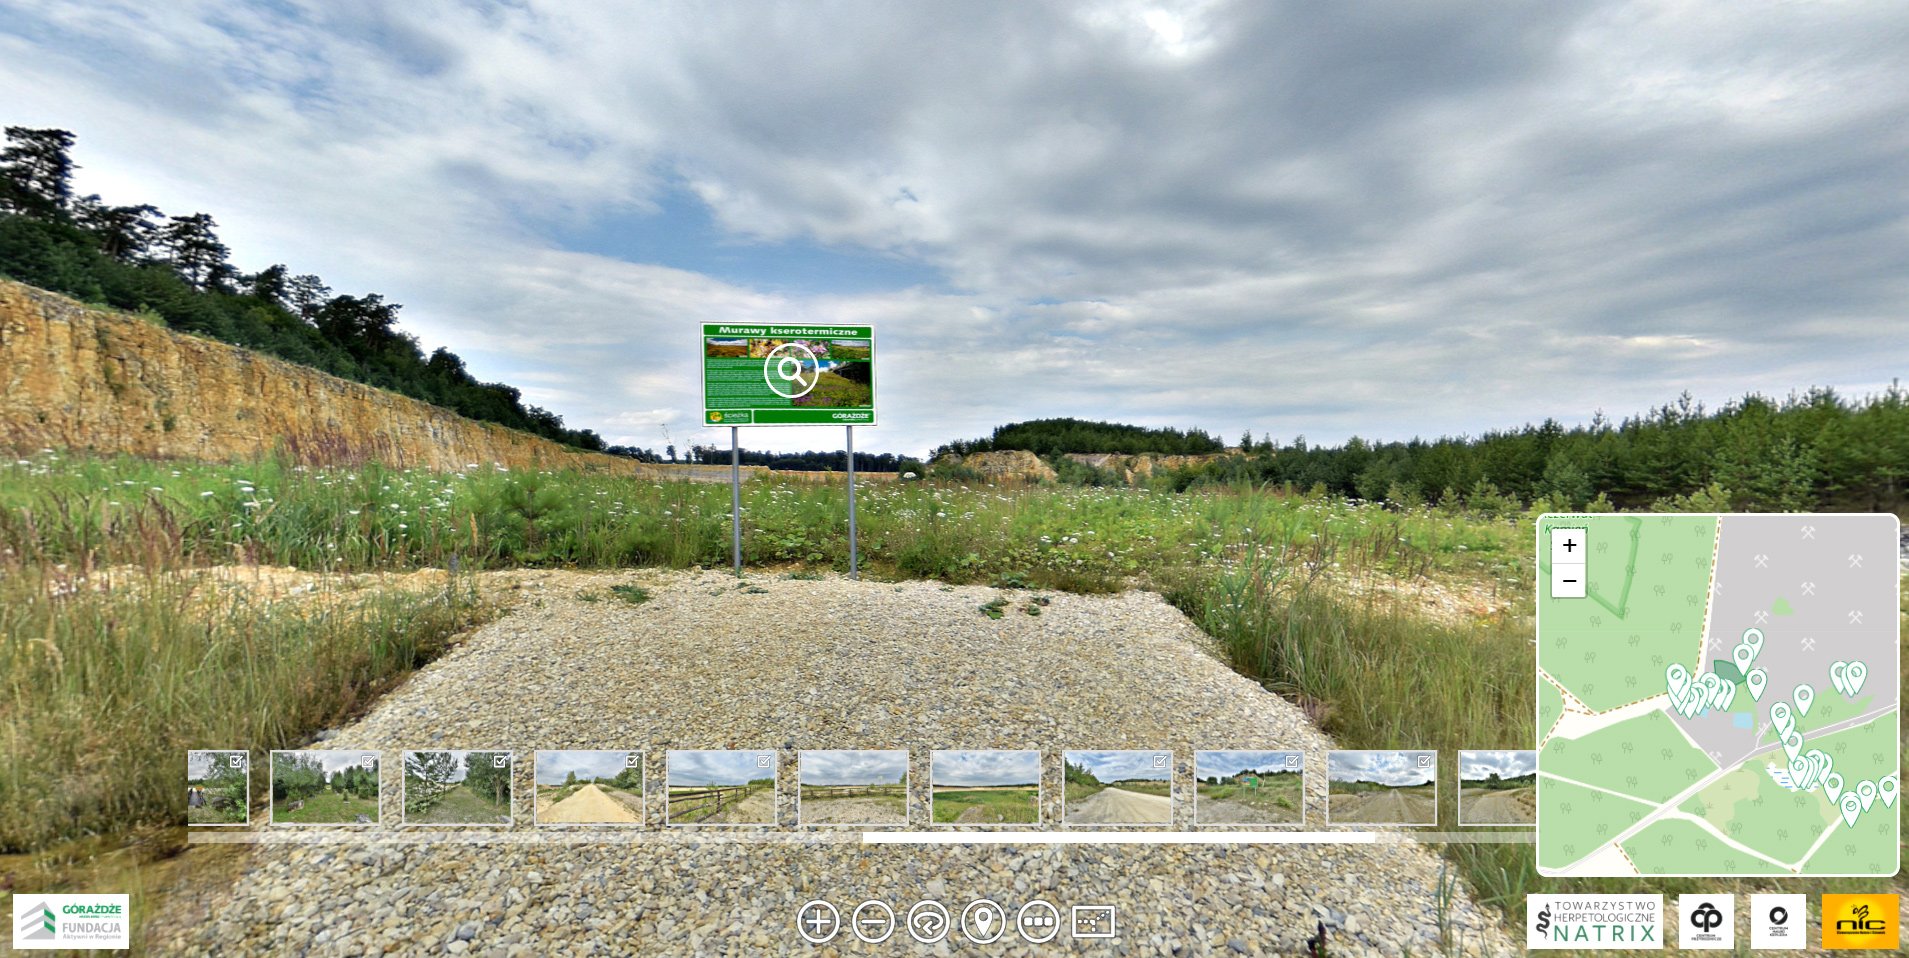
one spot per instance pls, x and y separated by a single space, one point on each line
788 375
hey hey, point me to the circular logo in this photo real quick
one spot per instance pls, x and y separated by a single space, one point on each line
983 921
1779 915
873 921
715 417
790 370
817 922
1039 922
928 922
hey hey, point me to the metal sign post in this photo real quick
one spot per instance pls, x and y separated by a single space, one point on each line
735 497
775 374
852 573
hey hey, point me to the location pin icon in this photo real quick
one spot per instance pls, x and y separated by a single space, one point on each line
1852 807
1836 676
1780 718
1833 786
1804 696
1756 680
1676 677
1753 639
1886 790
1853 677
1866 793
1743 655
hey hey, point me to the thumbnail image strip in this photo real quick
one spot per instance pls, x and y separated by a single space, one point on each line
587 787
1382 788
457 787
1498 787
721 787
985 787
1239 787
1129 787
218 788
844 787
325 787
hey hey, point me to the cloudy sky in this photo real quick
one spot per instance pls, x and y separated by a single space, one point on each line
986 767
332 760
199 763
554 767
718 767
1386 768
1326 219
1509 763
1122 765
1224 764
853 767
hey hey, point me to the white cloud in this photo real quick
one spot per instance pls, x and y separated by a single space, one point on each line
1330 220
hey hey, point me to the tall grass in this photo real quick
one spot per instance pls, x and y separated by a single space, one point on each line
105 688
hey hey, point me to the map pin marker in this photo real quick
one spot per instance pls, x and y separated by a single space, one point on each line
1792 744
1836 676
1886 790
1804 696
1866 793
1833 786
1780 718
1802 773
1853 677
1756 680
1743 655
1753 639
1676 678
1852 807
1819 759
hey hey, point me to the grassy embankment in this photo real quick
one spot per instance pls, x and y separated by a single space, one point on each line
1012 806
1284 582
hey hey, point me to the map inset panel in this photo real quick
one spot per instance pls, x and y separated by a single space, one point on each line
1718 695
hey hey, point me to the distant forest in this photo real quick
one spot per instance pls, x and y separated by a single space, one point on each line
830 461
1053 437
1810 451
176 269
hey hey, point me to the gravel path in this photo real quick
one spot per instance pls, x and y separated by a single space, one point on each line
800 664
588 804
1117 806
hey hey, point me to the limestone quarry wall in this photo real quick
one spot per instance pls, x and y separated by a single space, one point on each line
84 378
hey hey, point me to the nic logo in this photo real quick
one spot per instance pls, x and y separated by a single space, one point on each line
71 921
1709 921
1861 921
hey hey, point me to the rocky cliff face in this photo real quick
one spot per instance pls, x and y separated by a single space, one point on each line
77 377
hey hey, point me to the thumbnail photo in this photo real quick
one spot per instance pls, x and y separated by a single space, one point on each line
324 787
721 787
456 787
1498 787
1130 787
842 787
588 787
985 787
218 788
1249 788
1382 788
724 348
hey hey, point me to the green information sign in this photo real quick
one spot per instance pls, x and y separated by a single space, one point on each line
769 375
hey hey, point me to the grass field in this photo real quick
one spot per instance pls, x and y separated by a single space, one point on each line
1313 597
461 806
987 806
1279 797
326 808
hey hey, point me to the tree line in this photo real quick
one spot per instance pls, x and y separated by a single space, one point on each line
1814 450
298 777
1053 437
811 461
176 268
429 776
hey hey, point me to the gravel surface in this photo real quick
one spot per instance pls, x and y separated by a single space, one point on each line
787 664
